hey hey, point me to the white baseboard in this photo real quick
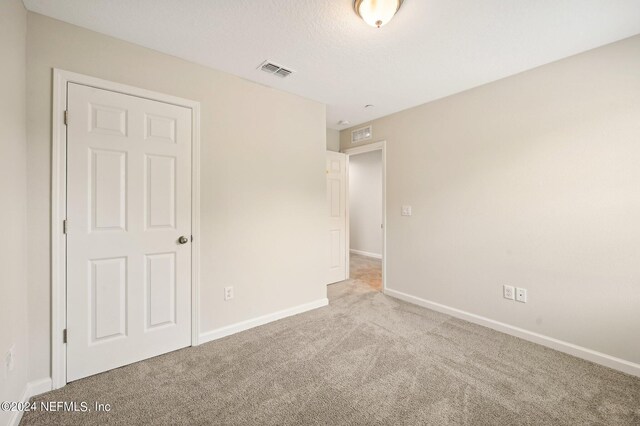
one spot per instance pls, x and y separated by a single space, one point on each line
32 389
255 322
559 345
366 253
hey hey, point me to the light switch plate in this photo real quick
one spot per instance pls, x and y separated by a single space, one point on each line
406 210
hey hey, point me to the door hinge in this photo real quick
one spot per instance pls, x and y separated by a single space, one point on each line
64 336
66 117
64 226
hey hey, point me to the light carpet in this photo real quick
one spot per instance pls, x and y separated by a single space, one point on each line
366 359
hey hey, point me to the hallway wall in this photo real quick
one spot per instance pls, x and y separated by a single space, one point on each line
365 203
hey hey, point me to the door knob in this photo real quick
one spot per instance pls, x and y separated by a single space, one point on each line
183 240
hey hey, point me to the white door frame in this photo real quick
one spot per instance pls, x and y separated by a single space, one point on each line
377 146
58 208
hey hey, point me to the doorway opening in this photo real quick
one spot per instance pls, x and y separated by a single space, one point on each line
366 215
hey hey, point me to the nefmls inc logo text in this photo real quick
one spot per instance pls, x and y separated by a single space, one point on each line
75 406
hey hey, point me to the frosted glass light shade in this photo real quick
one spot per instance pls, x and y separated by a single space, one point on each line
376 12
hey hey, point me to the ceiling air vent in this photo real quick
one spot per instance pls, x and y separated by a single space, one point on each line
275 69
361 134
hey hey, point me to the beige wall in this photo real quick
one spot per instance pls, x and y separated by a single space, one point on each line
13 190
532 181
263 181
333 140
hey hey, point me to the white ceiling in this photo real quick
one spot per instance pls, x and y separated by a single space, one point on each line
431 49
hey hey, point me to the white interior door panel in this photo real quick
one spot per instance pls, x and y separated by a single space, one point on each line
128 204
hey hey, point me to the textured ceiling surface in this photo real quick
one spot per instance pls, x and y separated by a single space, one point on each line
431 49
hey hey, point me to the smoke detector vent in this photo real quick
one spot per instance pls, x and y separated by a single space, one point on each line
275 69
362 134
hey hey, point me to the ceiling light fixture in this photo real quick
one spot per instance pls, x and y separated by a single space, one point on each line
376 12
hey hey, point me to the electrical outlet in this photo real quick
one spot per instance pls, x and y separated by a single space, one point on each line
406 210
508 292
228 293
521 295
9 359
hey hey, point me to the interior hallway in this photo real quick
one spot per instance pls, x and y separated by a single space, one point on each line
366 270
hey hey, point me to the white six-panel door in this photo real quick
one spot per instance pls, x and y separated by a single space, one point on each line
337 210
128 204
